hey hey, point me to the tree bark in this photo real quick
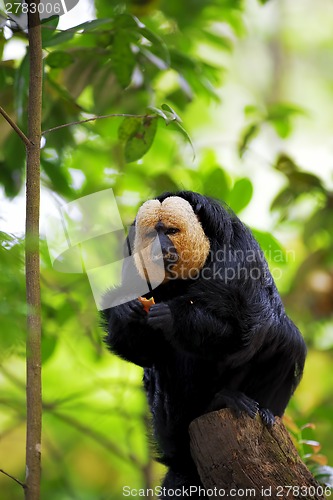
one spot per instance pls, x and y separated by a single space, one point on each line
243 458
33 343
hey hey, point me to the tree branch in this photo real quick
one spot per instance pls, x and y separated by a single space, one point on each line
101 117
15 127
13 478
242 454
99 438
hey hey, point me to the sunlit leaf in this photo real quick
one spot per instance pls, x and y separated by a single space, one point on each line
241 194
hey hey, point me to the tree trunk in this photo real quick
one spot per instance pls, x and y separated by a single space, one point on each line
242 458
34 387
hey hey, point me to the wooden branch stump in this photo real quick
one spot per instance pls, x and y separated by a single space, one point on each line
242 458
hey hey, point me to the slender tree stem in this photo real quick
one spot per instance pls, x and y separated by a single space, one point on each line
34 386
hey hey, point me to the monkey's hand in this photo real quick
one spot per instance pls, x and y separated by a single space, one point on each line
160 318
133 311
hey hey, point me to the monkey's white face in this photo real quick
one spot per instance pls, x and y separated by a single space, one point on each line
169 233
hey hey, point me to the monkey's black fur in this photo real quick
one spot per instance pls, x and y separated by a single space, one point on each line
220 340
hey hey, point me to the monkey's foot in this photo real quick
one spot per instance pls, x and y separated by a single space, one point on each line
234 400
267 417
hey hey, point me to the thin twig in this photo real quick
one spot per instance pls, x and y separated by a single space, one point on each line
113 115
13 478
15 127
99 438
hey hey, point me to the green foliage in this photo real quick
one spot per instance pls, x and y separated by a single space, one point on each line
310 451
278 115
12 301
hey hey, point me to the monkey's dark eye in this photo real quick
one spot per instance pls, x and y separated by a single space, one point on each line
172 230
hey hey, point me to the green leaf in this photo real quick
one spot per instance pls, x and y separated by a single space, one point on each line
158 46
319 223
283 199
49 344
12 167
179 128
274 252
122 57
241 194
172 113
137 134
59 59
154 59
282 127
280 115
21 88
91 25
58 38
48 29
217 184
285 164
283 111
57 174
247 135
158 112
303 182
128 22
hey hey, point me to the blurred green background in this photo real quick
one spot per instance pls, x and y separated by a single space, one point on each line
253 84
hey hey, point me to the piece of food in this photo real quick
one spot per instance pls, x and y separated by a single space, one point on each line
147 303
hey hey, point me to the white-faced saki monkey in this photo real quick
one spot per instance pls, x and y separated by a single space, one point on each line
217 335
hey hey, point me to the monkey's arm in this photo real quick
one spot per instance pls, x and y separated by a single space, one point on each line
129 336
188 326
